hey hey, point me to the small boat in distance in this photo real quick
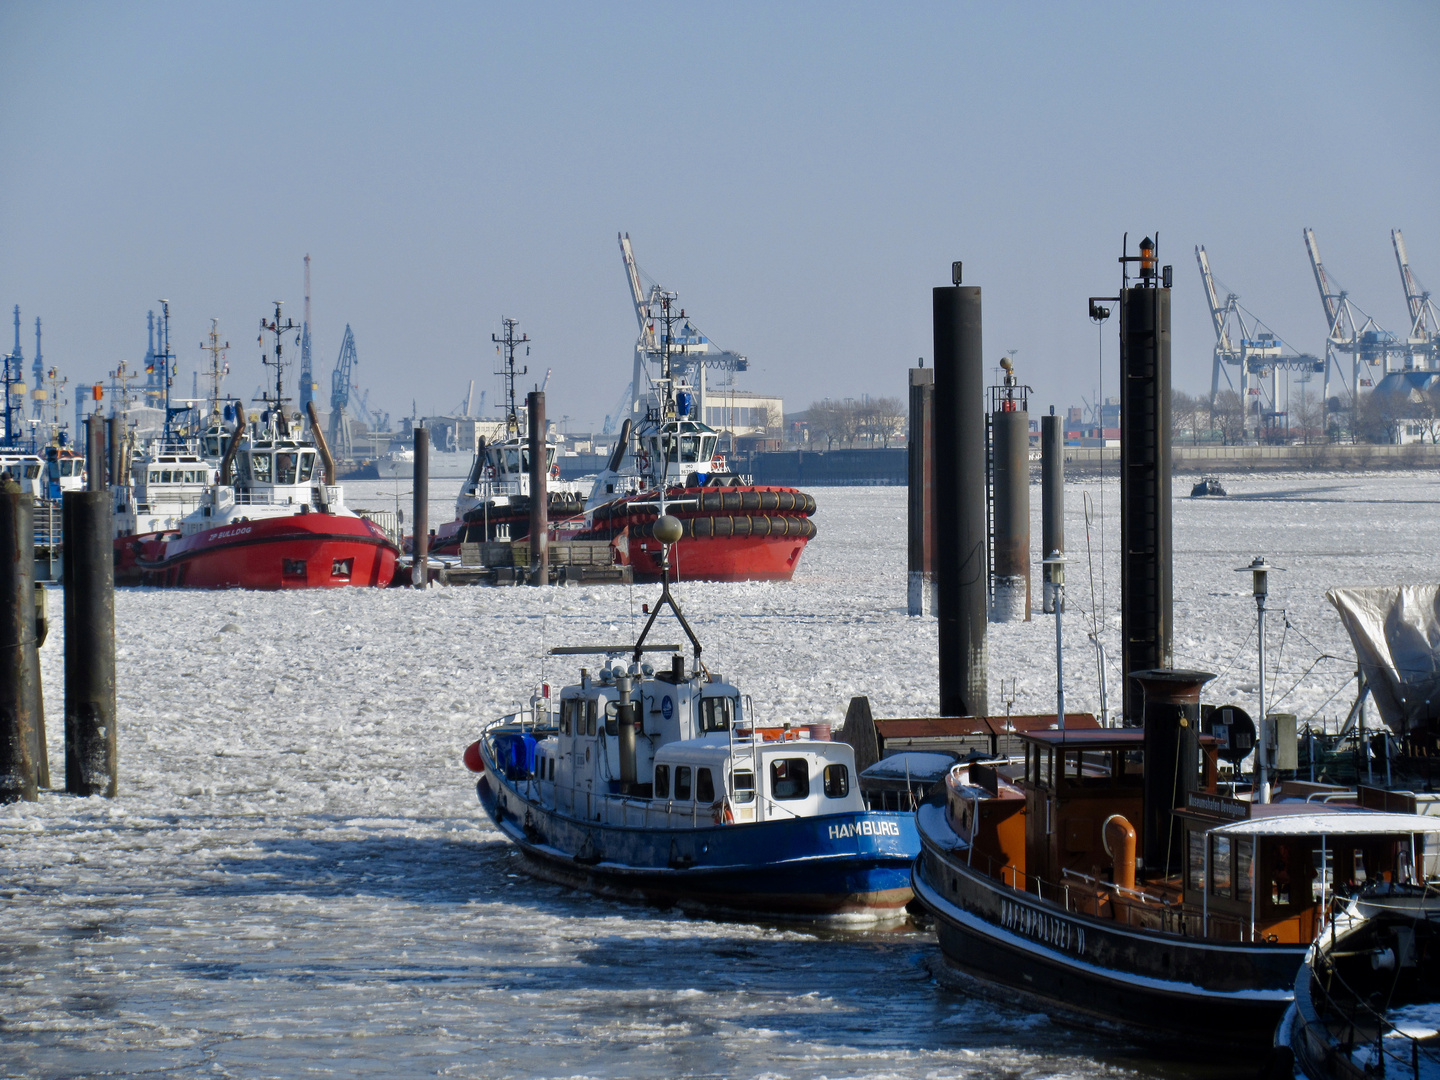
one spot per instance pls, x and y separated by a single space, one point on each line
665 787
1208 487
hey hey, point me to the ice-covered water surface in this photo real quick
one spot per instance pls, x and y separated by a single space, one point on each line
297 880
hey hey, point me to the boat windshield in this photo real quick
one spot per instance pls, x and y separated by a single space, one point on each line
286 467
260 468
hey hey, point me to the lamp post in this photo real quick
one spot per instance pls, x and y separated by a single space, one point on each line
1055 567
1260 586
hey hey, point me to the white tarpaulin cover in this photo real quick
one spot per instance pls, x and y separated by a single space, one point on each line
1396 633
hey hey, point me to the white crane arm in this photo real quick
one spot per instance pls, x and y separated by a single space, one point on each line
1217 310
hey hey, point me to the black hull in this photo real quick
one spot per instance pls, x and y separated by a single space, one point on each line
1227 997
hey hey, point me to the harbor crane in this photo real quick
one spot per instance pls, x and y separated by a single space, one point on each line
690 351
1423 342
341 382
1253 348
1351 332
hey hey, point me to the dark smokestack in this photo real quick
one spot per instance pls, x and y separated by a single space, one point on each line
1170 701
960 555
1145 526
1052 497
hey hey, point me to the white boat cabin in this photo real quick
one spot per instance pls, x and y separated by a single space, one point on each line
27 470
167 482
271 478
698 759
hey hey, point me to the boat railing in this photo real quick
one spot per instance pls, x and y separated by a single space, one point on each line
1083 894
1360 1018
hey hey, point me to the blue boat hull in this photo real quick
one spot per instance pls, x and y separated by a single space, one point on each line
850 867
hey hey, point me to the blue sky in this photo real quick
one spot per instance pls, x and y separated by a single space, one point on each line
802 175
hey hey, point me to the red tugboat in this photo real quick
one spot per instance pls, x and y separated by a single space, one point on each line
667 464
275 518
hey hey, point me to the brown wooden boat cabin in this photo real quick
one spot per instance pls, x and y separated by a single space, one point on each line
1071 825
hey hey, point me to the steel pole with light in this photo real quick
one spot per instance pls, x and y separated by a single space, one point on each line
1055 573
1260 586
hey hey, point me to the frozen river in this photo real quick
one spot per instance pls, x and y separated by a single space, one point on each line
296 880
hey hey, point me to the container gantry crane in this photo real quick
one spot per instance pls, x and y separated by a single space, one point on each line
1423 344
1351 332
1260 355
690 352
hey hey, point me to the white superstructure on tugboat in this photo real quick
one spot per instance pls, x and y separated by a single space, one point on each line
666 787
732 530
270 517
494 500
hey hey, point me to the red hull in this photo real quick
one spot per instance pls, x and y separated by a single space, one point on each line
730 534
301 551
709 559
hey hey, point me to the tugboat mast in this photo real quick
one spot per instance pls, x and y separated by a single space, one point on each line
280 421
165 357
507 372
219 368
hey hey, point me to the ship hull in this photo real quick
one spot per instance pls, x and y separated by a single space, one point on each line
851 867
729 534
728 559
300 551
1162 987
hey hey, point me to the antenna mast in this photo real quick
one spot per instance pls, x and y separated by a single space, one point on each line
307 373
219 368
166 359
277 403
506 347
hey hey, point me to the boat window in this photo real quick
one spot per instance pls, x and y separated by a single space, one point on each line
662 781
1322 858
552 768
742 785
1132 768
212 446
837 781
1195 859
567 713
707 447
704 786
1280 876
1243 867
590 717
1358 876
717 713
307 467
1220 866
682 782
285 466
260 465
790 778
165 475
67 467
1087 768
154 476
512 459
32 470
549 457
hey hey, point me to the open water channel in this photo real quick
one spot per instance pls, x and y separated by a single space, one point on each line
297 881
